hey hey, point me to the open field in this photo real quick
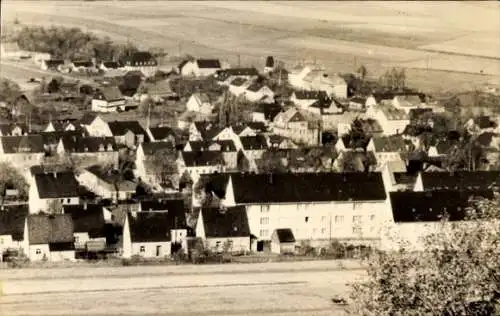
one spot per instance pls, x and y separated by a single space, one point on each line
340 35
298 288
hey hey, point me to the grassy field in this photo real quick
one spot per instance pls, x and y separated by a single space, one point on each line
339 35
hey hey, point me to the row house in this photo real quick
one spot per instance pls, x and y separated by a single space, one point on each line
458 180
49 190
226 147
292 124
199 67
22 152
316 206
128 133
141 61
106 183
196 163
88 151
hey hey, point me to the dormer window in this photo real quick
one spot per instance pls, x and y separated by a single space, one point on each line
101 147
110 147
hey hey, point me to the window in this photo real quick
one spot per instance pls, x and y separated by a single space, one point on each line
356 230
339 219
356 219
306 219
38 251
264 233
69 200
142 249
264 208
217 244
264 220
62 200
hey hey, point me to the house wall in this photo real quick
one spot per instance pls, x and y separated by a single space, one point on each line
97 158
148 71
150 249
192 104
190 69
56 256
6 242
81 239
105 106
230 159
99 128
238 244
340 91
43 250
419 185
319 221
204 72
22 161
298 132
36 204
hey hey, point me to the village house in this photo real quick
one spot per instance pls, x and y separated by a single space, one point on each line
196 163
38 57
174 206
225 76
280 142
82 66
95 125
298 73
57 126
224 230
226 147
51 139
200 102
333 85
50 237
315 206
459 180
303 99
392 120
153 234
108 65
108 99
161 91
128 133
12 224
283 241
22 152
186 119
325 107
13 129
199 67
203 130
143 168
354 160
50 190
387 149
52 64
417 215
238 86
265 113
162 134
87 151
141 61
345 143
258 92
480 124
292 124
106 183
89 226
397 178
254 146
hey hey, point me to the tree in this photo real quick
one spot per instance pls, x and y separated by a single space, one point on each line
11 178
55 207
164 164
9 90
362 71
271 162
457 273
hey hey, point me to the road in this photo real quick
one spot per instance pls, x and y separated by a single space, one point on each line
296 288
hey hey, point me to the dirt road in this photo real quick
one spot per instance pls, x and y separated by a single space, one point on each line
299 288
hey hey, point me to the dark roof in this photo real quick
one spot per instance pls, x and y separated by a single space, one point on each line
56 185
151 148
61 246
208 130
216 183
111 64
110 93
389 144
7 128
255 86
485 138
416 113
238 82
173 206
52 63
460 180
160 133
285 235
154 226
307 187
74 144
257 126
112 177
83 63
44 229
225 145
208 63
390 95
87 219
139 57
431 206
231 222
87 119
49 168
202 158
484 121
12 220
270 110
257 142
119 128
225 73
52 138
310 95
405 178
22 144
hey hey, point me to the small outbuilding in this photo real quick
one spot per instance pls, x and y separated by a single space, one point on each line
282 241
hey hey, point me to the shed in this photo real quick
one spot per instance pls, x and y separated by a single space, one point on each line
283 241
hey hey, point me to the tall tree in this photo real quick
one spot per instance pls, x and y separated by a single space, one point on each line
362 71
271 162
12 178
164 164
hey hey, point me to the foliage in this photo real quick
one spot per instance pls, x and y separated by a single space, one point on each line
362 71
164 164
457 273
185 87
271 162
71 43
394 79
9 90
467 154
243 163
55 207
11 178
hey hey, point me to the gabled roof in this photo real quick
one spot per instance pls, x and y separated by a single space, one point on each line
111 64
75 144
12 219
269 110
208 63
270 61
225 145
173 206
285 235
160 133
291 115
257 126
416 113
238 82
119 128
208 130
307 187
22 144
432 206
154 226
231 222
484 121
54 137
393 114
215 183
87 119
257 142
486 138
256 86
460 180
310 95
45 229
237 72
202 158
110 93
82 63
112 177
7 128
87 219
389 144
56 185
201 97
151 148
52 63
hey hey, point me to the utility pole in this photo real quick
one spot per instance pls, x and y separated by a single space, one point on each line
149 115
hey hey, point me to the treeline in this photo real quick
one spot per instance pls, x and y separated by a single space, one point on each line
71 43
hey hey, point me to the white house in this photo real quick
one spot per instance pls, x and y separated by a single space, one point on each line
200 102
161 134
52 64
304 98
199 67
89 223
106 183
108 65
141 61
333 85
226 147
87 151
22 152
196 163
316 206
12 225
224 229
387 149
238 86
153 234
392 120
292 124
48 191
257 92
128 133
82 66
108 99
95 125
49 237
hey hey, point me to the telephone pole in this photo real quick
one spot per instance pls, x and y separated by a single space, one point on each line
149 115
